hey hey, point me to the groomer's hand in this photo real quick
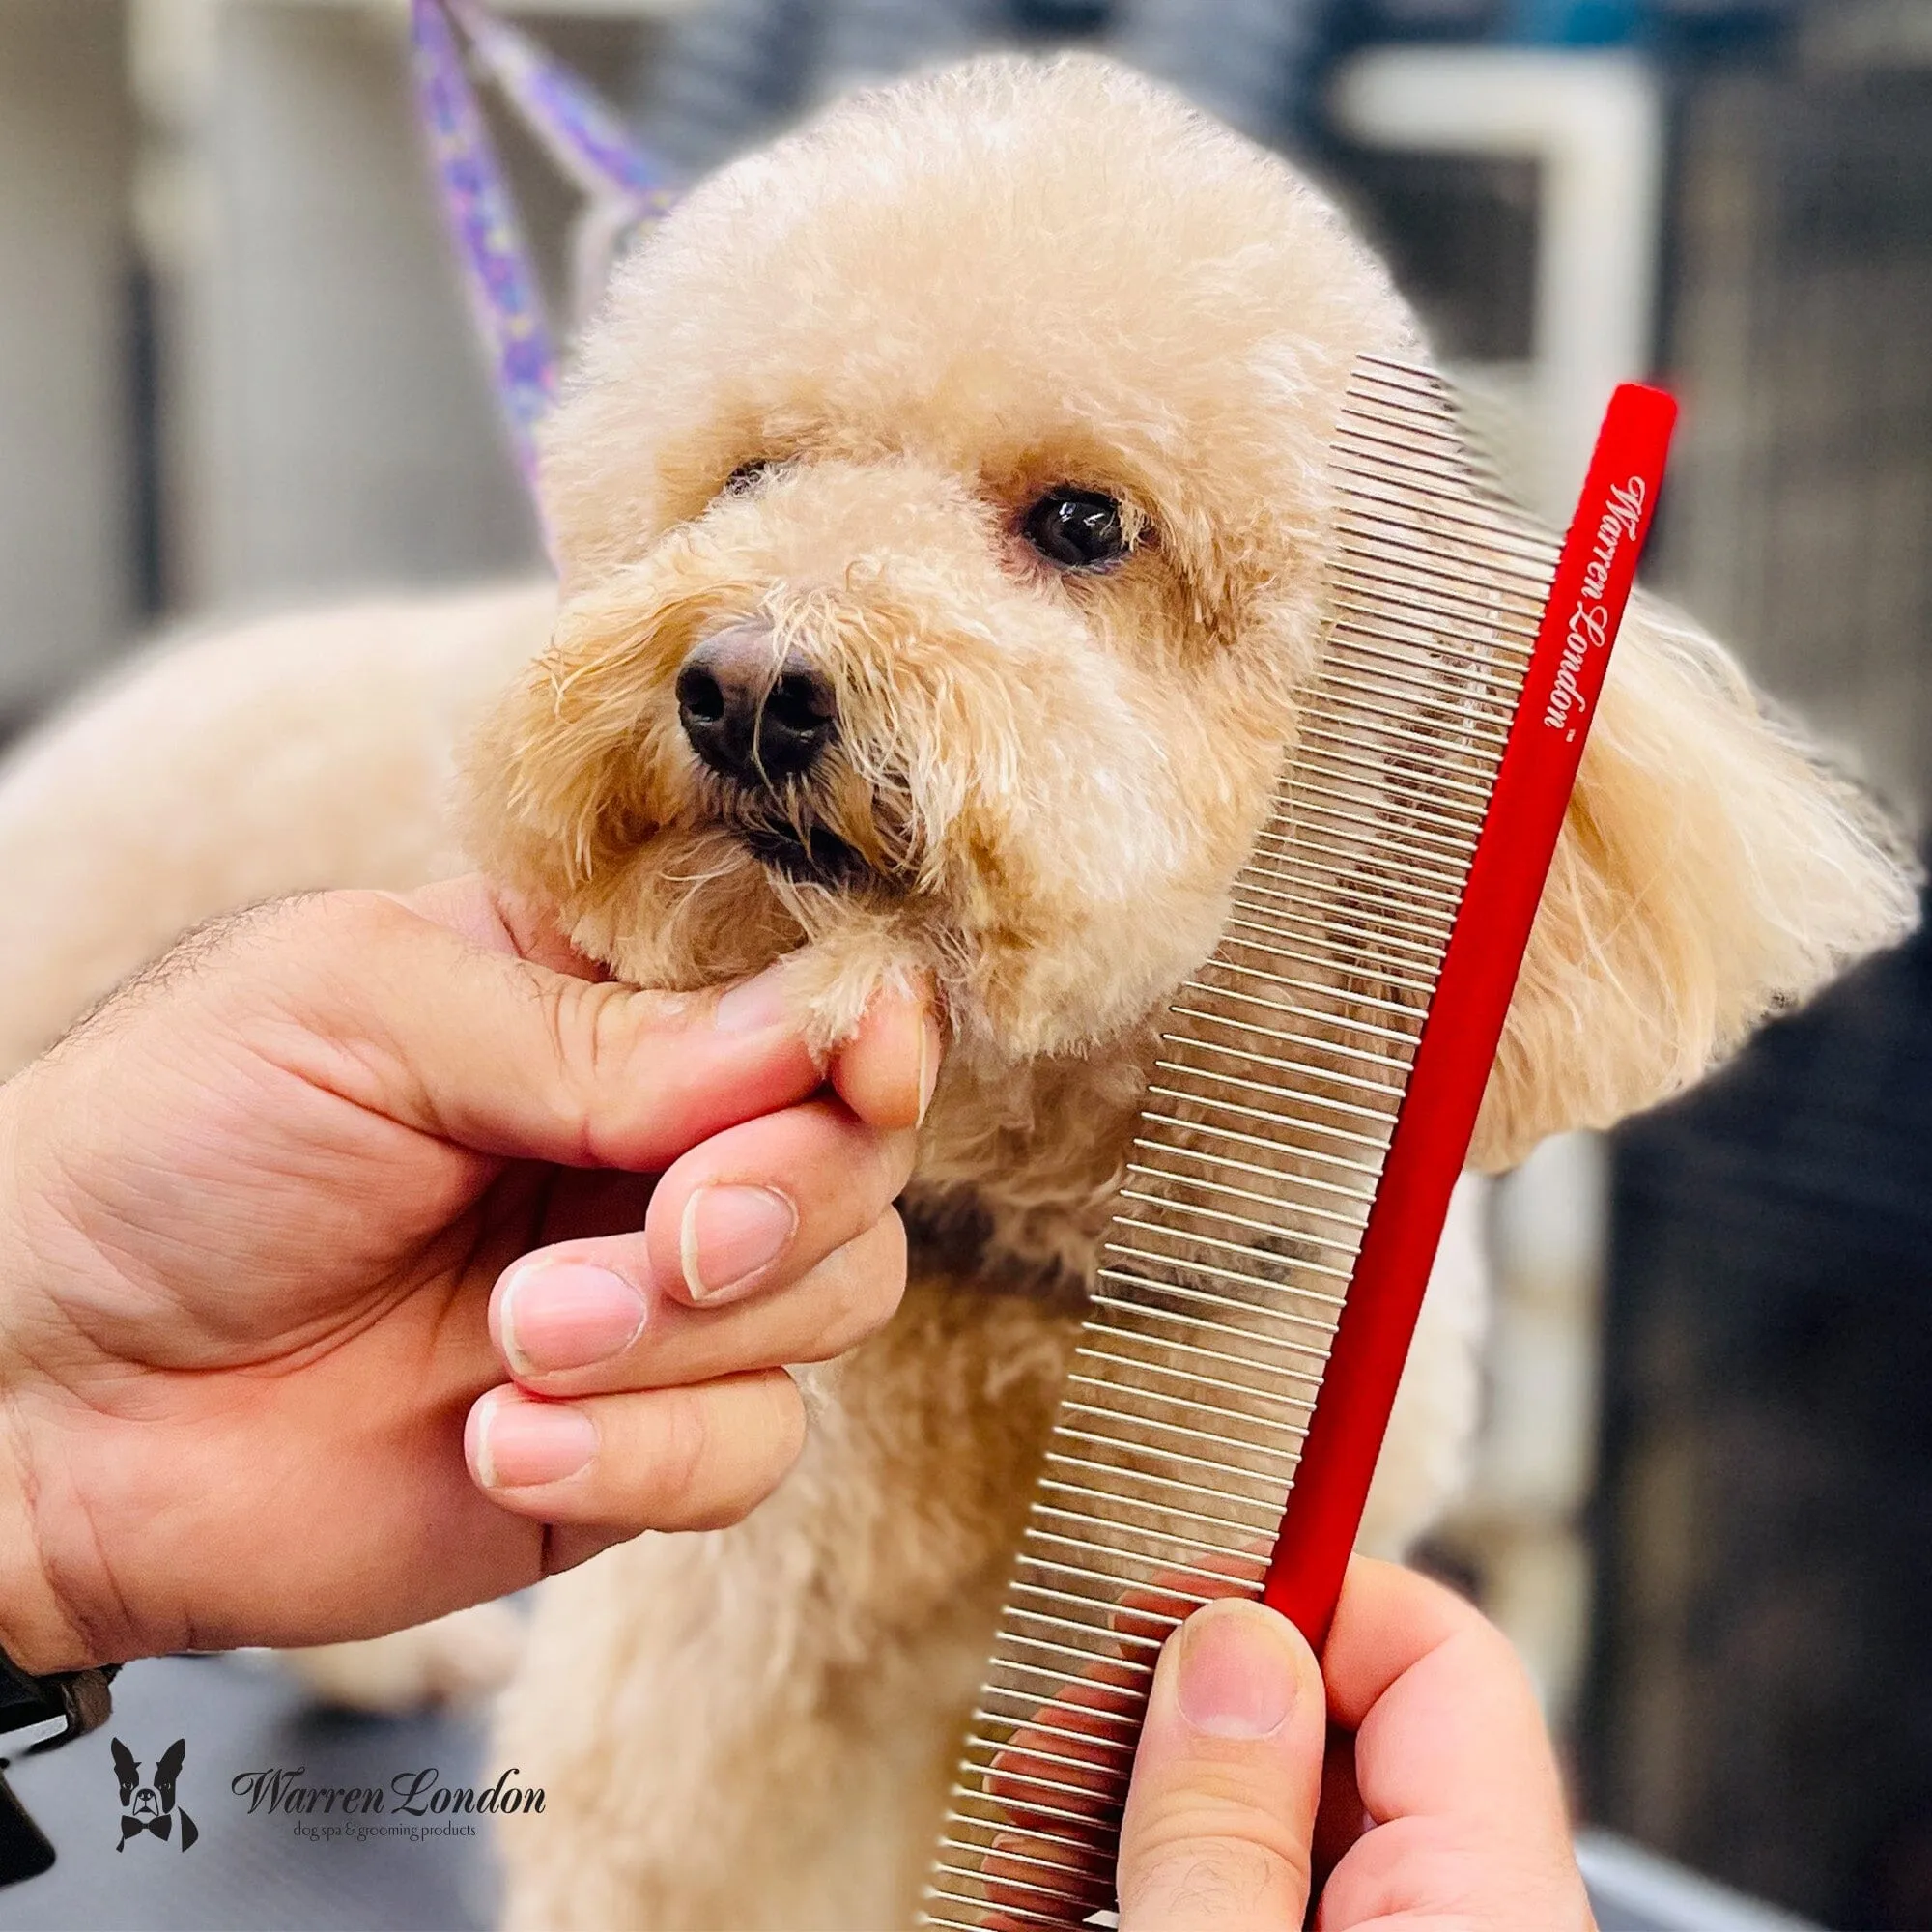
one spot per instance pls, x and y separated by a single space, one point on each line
368 1257
1439 1805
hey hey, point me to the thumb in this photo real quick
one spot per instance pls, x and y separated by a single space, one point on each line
476 1045
1226 1780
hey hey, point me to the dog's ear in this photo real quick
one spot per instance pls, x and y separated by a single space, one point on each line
126 1768
1712 870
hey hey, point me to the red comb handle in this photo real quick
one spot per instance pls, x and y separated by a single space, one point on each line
1534 781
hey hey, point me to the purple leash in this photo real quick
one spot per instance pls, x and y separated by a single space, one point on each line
582 137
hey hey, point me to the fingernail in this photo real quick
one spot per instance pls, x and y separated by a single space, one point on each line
728 1234
521 1445
1237 1670
754 1005
567 1314
928 1062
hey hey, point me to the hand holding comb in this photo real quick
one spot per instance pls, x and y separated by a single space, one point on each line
1313 1104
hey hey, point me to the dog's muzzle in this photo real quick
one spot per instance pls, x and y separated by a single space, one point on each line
762 721
755 718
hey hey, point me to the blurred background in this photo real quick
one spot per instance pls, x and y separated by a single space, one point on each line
236 371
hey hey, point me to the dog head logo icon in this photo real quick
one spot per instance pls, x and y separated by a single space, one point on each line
151 1807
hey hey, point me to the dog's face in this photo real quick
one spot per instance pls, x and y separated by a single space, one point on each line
942 514
943 523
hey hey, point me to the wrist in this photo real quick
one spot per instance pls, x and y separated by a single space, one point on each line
39 1631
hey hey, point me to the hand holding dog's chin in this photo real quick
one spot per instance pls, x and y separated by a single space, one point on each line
263 1219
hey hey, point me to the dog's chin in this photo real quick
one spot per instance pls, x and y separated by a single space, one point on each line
810 856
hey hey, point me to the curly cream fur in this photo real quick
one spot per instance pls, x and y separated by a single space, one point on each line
942 299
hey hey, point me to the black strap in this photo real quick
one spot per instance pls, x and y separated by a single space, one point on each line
75 1701
24 1848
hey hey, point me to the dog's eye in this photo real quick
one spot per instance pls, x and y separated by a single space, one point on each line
749 475
1081 528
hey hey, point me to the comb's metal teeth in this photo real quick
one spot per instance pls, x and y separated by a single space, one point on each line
1427 905
1172 1585
1309 810
1194 1379
1305 1184
1086 1652
1406 502
1281 1008
1295 1241
1353 1082
1420 742
1196 1269
1382 607
1373 1028
1517 569
1239 971
1034 1715
1104 1634
1209 1325
1221 1166
1005 1880
1318 1073
1098 1418
1326 1021
1326 1132
1436 785
1159 1570
1350 1056
1381 975
1291 1252
1174 1204
1371 927
1391 597
1410 935
1354 1108
1347 1021
1066 1459
1358 625
1455 714
1379 646
1294 1210
1208 1128
1358 807
1393 795
1195 1351
1040 1813
970 1798
1204 1294
1052 1485
1009 1855
1173 1539
1098 1412
1035 1753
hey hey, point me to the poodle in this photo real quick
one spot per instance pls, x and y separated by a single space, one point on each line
942 508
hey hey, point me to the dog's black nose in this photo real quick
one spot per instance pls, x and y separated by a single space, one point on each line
751 719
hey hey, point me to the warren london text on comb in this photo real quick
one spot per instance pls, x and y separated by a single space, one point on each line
1281 1129
1590 624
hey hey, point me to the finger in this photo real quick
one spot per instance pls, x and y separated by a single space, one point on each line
573 1323
407 1018
1457 1782
1226 1778
756 1206
671 1459
887 1071
486 916
1445 1718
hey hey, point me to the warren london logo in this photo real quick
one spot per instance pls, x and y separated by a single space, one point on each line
1590 621
148 1809
408 1794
